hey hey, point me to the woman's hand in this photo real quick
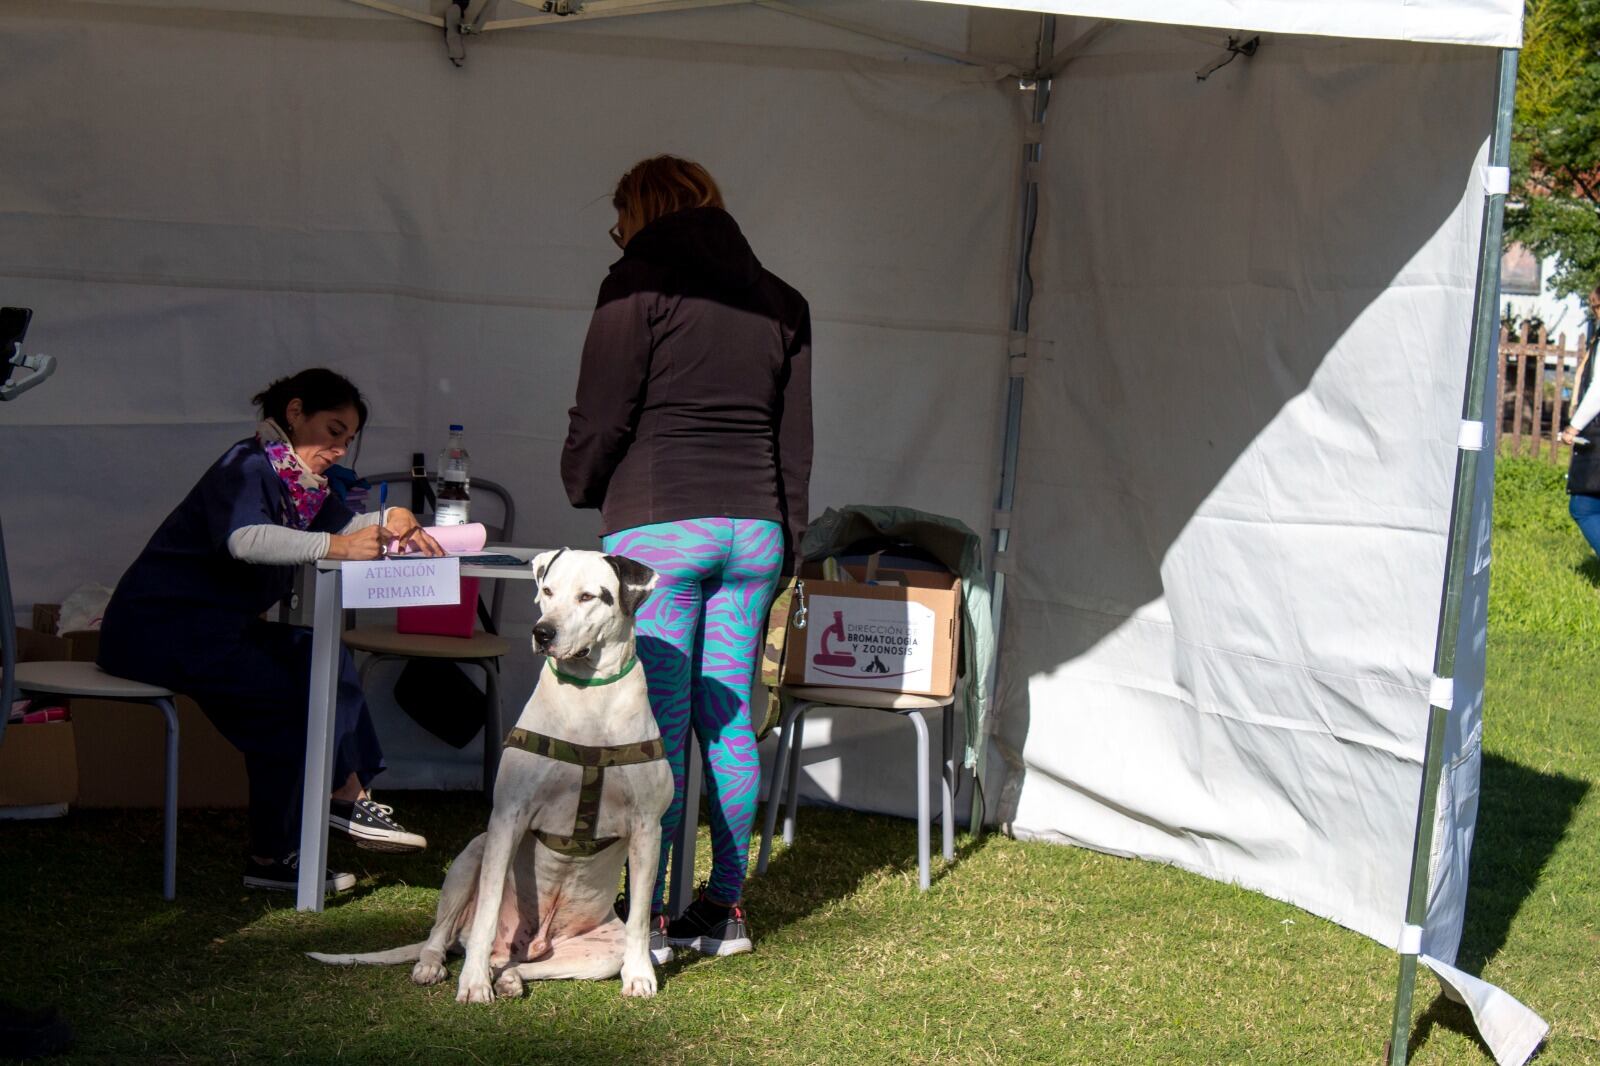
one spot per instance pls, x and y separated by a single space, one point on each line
413 540
1568 435
365 543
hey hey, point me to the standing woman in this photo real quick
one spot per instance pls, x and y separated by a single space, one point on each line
187 616
1583 475
692 435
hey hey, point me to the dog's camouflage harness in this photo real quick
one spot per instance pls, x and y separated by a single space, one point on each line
594 760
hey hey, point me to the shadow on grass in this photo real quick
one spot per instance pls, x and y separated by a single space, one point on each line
1589 570
835 852
1522 816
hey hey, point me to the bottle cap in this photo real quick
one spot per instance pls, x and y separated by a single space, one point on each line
455 429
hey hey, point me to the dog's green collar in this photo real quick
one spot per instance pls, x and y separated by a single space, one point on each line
592 682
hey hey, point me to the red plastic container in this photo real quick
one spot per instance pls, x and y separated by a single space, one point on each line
451 620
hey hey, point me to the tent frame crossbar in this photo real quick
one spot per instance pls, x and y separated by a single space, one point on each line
1485 328
599 9
603 9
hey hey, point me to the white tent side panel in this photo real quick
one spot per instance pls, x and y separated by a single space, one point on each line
1456 813
196 202
1482 22
1253 302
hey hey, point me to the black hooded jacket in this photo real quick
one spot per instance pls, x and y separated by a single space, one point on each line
694 398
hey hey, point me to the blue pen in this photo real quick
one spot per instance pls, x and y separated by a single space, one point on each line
383 501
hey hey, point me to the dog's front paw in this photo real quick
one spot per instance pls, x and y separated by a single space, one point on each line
509 984
474 987
427 972
639 982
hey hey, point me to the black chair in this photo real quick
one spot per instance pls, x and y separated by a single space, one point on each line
483 649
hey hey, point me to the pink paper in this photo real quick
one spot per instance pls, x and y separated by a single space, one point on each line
469 537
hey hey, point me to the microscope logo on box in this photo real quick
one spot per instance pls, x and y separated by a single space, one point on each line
869 643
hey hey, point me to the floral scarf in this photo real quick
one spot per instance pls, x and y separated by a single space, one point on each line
306 490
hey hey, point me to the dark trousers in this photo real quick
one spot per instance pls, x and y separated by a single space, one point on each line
256 695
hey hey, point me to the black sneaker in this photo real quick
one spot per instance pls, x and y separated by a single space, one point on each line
660 950
710 928
372 826
284 875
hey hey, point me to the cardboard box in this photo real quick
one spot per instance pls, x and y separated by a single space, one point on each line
896 637
122 757
120 748
38 762
38 765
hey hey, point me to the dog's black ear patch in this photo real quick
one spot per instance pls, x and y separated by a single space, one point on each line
634 581
538 575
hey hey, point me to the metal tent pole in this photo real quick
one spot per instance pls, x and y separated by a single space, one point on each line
1485 328
1022 300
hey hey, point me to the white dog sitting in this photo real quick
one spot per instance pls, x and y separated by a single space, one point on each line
582 786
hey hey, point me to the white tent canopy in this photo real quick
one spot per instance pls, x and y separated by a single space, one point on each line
1241 377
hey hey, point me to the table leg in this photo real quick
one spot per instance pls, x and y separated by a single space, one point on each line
319 742
680 887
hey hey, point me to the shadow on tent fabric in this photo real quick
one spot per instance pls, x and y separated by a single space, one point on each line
1120 451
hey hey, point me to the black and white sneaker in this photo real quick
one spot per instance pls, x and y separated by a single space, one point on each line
372 826
284 875
660 950
710 928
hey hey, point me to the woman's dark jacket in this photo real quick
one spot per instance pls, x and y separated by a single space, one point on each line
694 397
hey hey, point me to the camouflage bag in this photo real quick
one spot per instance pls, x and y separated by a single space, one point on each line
788 611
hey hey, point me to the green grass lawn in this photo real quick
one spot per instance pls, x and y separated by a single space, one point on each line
1020 953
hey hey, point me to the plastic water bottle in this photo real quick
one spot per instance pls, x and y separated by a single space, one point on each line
453 493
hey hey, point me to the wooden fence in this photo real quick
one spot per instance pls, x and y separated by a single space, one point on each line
1539 378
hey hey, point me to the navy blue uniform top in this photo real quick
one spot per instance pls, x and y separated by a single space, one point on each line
185 603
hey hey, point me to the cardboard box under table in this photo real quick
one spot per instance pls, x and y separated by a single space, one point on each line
119 747
899 635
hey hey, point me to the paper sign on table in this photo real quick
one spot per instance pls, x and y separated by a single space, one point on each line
404 581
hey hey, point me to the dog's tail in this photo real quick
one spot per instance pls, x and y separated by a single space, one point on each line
409 953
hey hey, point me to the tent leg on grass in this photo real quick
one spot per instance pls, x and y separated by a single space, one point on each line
1475 406
1022 288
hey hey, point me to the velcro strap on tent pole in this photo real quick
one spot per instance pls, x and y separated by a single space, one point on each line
1001 520
1496 180
1033 171
1410 940
1003 562
1469 438
1033 133
1442 693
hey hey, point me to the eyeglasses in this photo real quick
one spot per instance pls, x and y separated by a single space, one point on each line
616 236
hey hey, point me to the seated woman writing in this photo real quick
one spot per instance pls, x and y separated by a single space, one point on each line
187 615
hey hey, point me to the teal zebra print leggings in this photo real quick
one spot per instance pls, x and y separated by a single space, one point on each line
700 636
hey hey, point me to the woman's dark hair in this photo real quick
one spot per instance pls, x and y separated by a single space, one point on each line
317 389
661 185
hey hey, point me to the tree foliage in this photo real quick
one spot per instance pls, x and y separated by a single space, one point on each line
1555 149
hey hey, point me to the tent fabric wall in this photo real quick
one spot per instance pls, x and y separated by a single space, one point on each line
195 202
1252 310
